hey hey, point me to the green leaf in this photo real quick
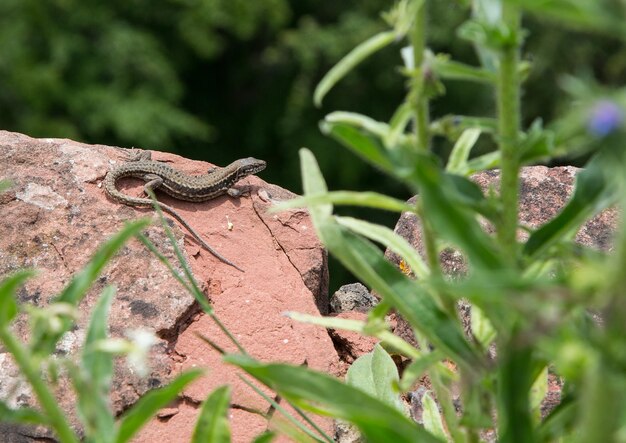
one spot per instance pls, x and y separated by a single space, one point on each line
561 420
326 395
482 328
99 364
389 239
328 322
410 299
80 284
590 15
313 184
452 126
384 335
441 194
537 144
212 424
367 262
402 15
483 162
466 193
148 405
350 61
348 198
452 70
22 415
417 368
398 124
516 373
538 392
457 162
359 121
376 374
92 382
432 418
266 437
8 302
4 185
364 145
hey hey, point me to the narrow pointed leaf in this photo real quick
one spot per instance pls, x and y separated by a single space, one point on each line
148 405
80 284
348 198
398 124
432 418
326 395
389 239
212 424
8 302
22 415
457 162
349 62
441 196
452 70
313 183
93 381
367 262
364 145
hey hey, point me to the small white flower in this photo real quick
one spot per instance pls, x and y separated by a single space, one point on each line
141 342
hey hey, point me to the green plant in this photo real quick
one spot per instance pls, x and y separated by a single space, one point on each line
531 299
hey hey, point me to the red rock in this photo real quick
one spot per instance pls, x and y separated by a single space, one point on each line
56 214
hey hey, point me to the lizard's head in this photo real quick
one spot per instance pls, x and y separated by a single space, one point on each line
249 166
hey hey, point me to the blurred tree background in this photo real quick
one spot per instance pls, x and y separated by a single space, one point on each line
222 79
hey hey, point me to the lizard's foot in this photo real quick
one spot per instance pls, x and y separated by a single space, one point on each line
238 192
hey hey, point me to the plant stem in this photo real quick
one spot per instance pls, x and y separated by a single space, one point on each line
420 103
47 401
421 120
508 104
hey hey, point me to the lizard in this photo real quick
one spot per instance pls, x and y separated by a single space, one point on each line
195 188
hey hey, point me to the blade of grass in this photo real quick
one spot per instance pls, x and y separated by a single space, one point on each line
350 61
8 303
80 284
212 423
348 198
148 405
325 394
390 240
289 416
93 381
29 368
192 285
22 415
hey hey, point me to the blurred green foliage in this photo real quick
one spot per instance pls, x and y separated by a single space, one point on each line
222 79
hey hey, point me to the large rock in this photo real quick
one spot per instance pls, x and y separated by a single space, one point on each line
543 192
56 214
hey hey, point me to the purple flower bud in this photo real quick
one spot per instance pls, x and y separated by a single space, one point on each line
604 118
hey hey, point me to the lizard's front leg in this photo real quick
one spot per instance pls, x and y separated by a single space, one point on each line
238 192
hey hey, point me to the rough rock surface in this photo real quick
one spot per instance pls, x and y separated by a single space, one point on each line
56 214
